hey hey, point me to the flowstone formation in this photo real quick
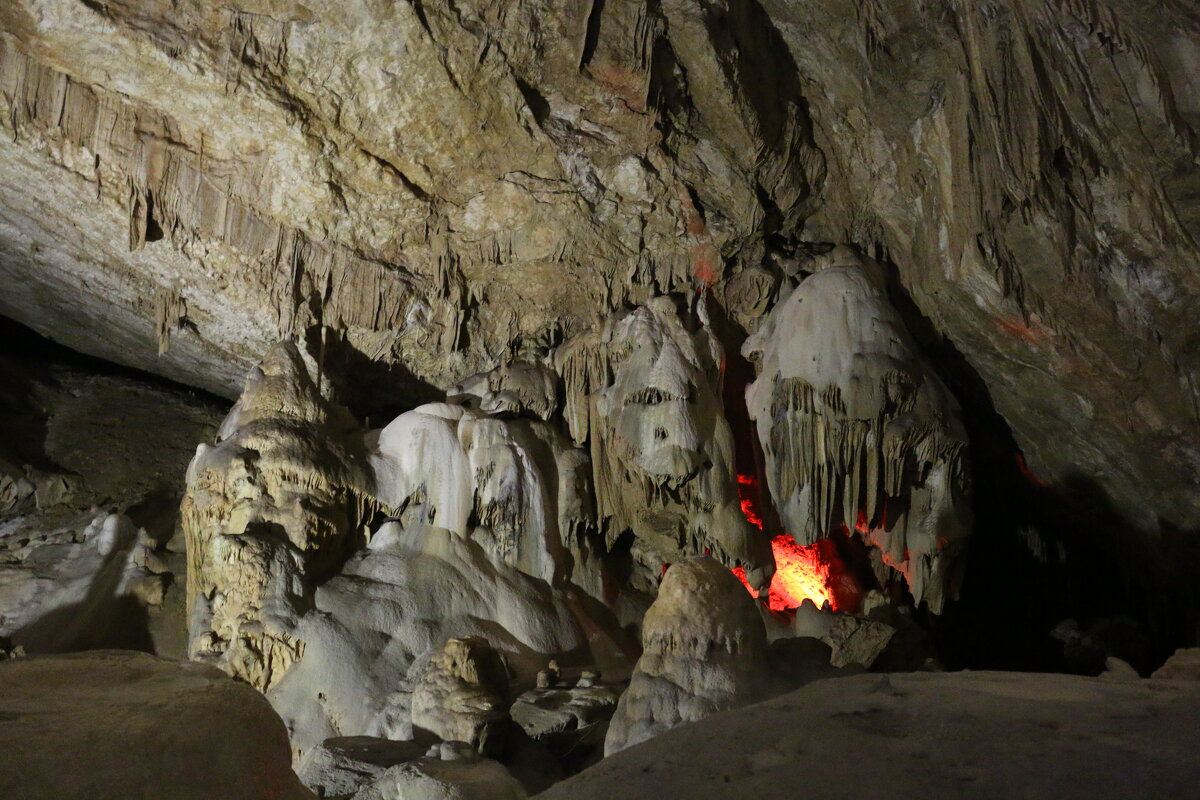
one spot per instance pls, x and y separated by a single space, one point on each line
858 432
515 485
643 390
294 592
705 650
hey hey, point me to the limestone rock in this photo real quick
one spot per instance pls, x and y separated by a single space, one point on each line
341 766
79 586
115 724
515 387
406 595
852 640
460 778
857 641
555 709
272 507
1184 664
857 430
1063 736
705 650
1117 670
460 694
428 191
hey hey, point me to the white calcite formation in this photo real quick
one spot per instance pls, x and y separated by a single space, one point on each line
392 604
341 766
515 485
644 390
454 773
291 591
705 650
857 430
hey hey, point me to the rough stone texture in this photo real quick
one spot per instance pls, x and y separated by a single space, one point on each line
1030 166
931 735
433 188
341 766
270 509
460 694
293 591
644 390
88 552
461 777
1183 665
704 651
556 709
111 725
79 586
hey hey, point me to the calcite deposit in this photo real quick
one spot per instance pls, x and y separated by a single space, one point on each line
553 328
704 651
858 432
270 510
643 389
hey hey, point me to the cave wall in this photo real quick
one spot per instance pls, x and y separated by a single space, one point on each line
436 188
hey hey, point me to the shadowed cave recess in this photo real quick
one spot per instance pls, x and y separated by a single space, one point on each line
489 400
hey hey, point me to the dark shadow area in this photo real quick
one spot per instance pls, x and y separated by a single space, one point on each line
1041 554
374 391
35 355
102 620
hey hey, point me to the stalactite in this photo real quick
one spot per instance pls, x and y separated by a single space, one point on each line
858 432
191 196
170 310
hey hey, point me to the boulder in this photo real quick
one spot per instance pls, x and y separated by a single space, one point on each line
1184 664
460 693
340 766
937 736
454 774
111 725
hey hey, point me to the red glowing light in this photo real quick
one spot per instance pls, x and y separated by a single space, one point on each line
802 572
1028 474
745 485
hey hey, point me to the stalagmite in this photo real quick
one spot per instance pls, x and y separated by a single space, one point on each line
460 694
705 651
270 509
857 430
